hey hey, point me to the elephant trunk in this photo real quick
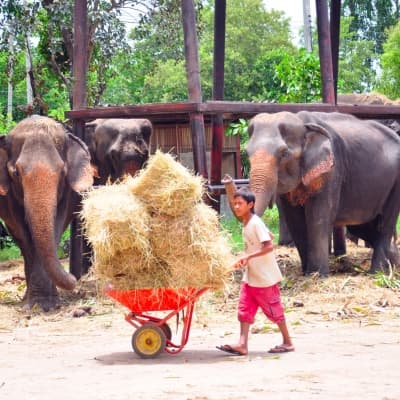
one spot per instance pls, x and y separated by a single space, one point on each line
40 201
263 179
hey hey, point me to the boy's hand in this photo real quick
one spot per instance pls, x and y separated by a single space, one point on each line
226 179
242 262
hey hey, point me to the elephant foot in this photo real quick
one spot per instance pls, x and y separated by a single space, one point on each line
384 260
321 272
287 243
44 303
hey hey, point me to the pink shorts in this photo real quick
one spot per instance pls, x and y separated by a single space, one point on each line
267 298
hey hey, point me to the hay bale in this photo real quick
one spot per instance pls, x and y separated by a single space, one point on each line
116 225
126 274
166 186
153 230
193 247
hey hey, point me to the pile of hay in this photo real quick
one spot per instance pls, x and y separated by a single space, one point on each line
153 230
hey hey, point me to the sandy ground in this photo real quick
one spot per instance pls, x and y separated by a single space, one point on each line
347 341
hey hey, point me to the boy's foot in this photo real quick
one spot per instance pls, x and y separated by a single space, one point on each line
237 351
282 348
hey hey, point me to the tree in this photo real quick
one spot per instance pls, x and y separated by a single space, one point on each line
370 18
389 83
51 22
356 61
251 31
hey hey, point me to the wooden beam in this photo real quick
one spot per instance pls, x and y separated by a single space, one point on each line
231 110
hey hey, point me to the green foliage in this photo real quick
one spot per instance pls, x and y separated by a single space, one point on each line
299 77
166 84
271 219
391 281
356 61
6 124
389 83
234 229
370 18
10 253
63 247
241 128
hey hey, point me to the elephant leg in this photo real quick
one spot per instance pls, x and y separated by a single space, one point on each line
87 256
385 254
296 223
319 230
339 241
285 238
40 290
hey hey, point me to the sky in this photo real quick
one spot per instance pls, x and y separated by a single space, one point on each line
294 10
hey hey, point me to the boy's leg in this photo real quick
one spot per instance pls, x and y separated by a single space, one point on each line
286 340
244 336
270 302
247 309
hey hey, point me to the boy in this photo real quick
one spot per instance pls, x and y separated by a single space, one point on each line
259 287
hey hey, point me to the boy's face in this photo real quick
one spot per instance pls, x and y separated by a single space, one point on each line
241 206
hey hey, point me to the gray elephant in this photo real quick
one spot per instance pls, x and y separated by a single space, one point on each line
43 168
117 146
372 99
328 169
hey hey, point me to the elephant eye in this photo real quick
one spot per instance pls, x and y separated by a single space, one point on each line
284 153
12 170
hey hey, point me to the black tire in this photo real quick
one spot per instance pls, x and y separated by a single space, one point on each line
167 331
148 341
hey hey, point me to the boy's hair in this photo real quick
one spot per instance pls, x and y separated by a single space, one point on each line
247 195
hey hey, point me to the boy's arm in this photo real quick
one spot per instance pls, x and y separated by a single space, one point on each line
230 189
266 247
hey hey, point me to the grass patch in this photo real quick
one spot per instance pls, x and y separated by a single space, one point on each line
234 228
10 253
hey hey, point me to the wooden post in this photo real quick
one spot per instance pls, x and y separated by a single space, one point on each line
325 53
218 94
194 86
335 40
78 101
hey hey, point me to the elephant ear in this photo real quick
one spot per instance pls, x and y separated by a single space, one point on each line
80 172
146 130
318 158
4 179
90 128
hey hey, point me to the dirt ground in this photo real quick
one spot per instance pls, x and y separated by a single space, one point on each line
345 328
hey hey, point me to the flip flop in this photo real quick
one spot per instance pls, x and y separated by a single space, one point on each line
229 349
281 349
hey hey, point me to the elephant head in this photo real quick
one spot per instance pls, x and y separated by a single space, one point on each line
287 156
118 146
43 167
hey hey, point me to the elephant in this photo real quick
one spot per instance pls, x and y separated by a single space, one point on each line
117 146
328 169
43 170
372 99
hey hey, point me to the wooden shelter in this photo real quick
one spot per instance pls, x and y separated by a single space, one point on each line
195 111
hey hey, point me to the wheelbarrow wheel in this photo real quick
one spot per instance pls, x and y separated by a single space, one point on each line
167 330
148 341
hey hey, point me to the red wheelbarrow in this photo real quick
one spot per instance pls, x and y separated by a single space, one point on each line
153 335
